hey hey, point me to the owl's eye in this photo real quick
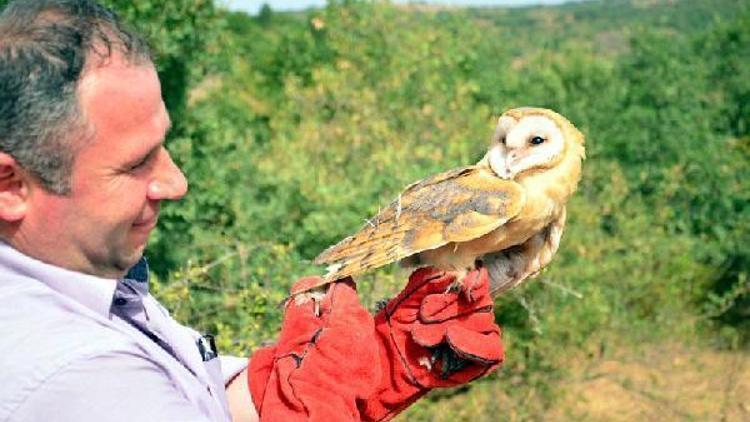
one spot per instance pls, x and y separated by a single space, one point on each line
537 140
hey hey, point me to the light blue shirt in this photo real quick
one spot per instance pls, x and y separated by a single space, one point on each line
75 347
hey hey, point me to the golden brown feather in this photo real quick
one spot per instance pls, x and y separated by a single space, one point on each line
453 206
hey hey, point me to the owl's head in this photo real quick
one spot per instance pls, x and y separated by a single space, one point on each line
528 139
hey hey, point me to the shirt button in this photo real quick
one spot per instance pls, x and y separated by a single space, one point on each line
121 301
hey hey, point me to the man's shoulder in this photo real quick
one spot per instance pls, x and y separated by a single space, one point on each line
26 303
40 321
43 332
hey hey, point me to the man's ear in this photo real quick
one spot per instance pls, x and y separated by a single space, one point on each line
14 190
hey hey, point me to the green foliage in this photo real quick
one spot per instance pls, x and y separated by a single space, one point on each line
321 117
180 32
295 127
344 106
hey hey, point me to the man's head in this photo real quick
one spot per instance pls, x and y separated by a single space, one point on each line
44 47
82 124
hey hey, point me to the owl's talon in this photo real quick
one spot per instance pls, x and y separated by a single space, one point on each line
456 286
470 282
468 292
315 296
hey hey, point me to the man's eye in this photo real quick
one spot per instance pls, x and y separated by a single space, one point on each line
142 162
139 164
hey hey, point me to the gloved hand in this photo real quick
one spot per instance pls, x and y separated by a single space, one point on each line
431 336
326 358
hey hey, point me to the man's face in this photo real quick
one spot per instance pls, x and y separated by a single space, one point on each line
119 177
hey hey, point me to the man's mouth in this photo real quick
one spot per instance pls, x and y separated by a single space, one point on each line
148 223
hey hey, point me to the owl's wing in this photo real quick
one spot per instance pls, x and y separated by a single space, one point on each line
511 267
454 206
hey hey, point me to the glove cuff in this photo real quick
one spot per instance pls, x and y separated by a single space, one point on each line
259 369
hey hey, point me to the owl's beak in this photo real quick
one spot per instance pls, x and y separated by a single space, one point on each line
505 173
498 163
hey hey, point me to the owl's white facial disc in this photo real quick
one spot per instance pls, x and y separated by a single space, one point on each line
533 142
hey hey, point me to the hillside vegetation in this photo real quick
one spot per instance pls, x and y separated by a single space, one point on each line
294 127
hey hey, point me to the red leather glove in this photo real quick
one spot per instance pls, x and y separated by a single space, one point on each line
326 358
432 336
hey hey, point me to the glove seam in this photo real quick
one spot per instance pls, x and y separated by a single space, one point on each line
473 359
483 309
401 356
300 358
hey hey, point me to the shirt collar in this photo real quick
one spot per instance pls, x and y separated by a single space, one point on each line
94 292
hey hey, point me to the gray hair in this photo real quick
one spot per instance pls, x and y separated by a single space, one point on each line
44 49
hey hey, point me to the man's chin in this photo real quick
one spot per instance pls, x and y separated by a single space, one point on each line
125 260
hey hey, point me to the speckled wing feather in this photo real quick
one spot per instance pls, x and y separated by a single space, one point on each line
455 206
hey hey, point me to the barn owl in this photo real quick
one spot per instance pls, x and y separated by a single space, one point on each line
507 211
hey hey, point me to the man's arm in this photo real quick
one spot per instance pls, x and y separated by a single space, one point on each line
238 396
114 387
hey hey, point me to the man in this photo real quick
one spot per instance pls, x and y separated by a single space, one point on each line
83 170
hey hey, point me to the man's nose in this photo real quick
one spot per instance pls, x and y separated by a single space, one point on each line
169 182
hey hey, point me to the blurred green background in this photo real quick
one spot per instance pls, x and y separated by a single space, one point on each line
294 127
